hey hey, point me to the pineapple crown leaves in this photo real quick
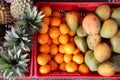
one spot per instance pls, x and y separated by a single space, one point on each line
18 36
31 19
13 62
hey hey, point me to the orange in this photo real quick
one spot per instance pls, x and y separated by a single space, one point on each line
44 69
55 21
46 10
53 65
44 28
64 28
44 48
54 32
43 59
59 58
63 39
57 14
76 51
83 69
55 41
62 67
71 33
78 58
61 48
53 49
46 20
43 38
71 67
67 58
69 48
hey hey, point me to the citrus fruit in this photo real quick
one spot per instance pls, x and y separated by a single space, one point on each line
67 58
54 32
64 28
43 59
83 69
71 33
46 10
55 21
44 28
46 20
71 67
61 48
44 48
76 51
69 48
59 58
62 66
63 39
43 38
44 69
56 14
55 41
53 49
53 65
78 58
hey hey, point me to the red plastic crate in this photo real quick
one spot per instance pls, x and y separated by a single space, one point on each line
84 8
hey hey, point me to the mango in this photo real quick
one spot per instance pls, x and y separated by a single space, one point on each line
93 41
115 58
109 28
81 43
81 32
102 52
103 12
115 42
116 15
91 61
107 69
72 20
91 24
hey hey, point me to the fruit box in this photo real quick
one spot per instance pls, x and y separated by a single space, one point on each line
30 73
84 8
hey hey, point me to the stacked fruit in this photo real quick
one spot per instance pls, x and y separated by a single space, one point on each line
57 50
99 37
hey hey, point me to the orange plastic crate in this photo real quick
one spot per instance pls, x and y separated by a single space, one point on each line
83 8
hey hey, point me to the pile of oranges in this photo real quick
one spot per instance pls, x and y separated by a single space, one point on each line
57 50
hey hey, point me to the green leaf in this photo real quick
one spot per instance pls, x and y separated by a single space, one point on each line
18 53
24 56
14 33
18 72
10 54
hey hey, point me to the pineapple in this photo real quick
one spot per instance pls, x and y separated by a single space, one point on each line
31 20
18 37
18 6
13 62
5 16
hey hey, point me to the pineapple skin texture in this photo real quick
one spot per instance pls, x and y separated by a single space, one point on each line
19 6
5 16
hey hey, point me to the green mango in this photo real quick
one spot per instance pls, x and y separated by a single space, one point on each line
103 12
116 15
91 61
81 43
115 42
81 32
116 60
109 28
93 41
